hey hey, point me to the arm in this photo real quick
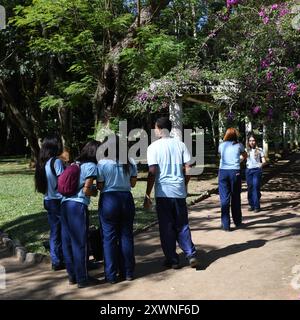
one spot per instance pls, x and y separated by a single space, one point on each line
263 162
187 177
88 188
100 185
133 181
150 184
243 156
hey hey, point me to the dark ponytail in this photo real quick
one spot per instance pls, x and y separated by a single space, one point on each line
51 147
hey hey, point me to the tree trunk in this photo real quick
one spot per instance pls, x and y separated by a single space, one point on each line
24 124
107 95
175 111
265 142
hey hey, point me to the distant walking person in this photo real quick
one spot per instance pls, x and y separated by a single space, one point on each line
232 153
48 169
255 162
168 160
116 213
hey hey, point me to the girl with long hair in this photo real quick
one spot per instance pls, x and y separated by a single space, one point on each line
75 218
48 169
255 162
116 213
231 152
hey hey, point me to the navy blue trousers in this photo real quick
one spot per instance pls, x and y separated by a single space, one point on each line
54 219
75 222
230 186
253 178
174 227
116 212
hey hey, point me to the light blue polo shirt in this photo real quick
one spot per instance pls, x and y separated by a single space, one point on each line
170 155
230 155
254 158
87 170
52 193
113 175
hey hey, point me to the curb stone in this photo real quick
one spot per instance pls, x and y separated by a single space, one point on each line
20 252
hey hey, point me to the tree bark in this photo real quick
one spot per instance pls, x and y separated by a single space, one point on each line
24 124
107 94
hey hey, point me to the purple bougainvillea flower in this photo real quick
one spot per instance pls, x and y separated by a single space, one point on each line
143 96
270 113
296 114
230 116
262 13
283 12
274 6
292 88
256 110
264 64
232 2
298 66
266 20
269 75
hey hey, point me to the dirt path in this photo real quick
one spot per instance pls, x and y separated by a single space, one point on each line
261 261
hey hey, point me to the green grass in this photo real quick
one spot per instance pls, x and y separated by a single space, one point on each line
22 214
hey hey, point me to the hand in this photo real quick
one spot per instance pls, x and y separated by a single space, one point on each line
147 202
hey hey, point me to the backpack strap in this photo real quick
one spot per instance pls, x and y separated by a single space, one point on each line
52 166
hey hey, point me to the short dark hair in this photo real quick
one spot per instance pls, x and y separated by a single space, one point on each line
164 123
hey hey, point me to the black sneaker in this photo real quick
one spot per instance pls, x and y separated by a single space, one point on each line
92 265
250 209
88 283
193 262
171 265
125 278
112 281
257 210
58 267
72 280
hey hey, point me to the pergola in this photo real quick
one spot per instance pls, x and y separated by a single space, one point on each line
212 95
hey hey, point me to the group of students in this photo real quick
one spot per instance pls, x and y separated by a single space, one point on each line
169 164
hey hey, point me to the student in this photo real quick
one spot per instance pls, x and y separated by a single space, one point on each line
116 213
255 162
48 168
232 152
75 220
168 168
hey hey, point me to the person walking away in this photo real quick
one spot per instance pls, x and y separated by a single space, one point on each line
232 153
168 160
255 162
48 169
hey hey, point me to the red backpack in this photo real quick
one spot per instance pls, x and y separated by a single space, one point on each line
68 181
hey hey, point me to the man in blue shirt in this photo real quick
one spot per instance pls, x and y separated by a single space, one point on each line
168 167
